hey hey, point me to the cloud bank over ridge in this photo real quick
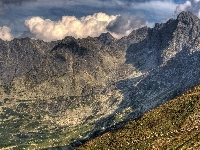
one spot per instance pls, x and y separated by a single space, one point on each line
51 20
124 24
91 25
48 30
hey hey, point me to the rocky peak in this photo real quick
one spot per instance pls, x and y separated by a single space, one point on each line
188 17
106 38
188 30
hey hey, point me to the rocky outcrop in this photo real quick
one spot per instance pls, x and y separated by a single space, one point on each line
106 38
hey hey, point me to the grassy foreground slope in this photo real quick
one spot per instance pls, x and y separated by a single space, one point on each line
174 125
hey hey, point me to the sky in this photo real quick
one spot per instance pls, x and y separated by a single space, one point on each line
51 20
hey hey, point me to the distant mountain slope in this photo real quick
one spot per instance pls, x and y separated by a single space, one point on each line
173 125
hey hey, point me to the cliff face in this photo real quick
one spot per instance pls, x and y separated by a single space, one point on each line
85 86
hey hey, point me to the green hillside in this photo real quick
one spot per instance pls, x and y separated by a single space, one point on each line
174 125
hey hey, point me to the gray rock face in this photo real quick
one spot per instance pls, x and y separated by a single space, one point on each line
169 57
102 82
106 38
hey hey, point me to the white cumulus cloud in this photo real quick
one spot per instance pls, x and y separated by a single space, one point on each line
5 33
192 6
48 30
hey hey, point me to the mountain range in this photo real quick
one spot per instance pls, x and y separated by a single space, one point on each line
63 93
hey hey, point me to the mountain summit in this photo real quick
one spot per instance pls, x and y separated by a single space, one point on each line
65 92
106 38
187 17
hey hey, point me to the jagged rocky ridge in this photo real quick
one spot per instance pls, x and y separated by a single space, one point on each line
86 86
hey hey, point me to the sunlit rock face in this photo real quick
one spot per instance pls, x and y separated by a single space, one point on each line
75 89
